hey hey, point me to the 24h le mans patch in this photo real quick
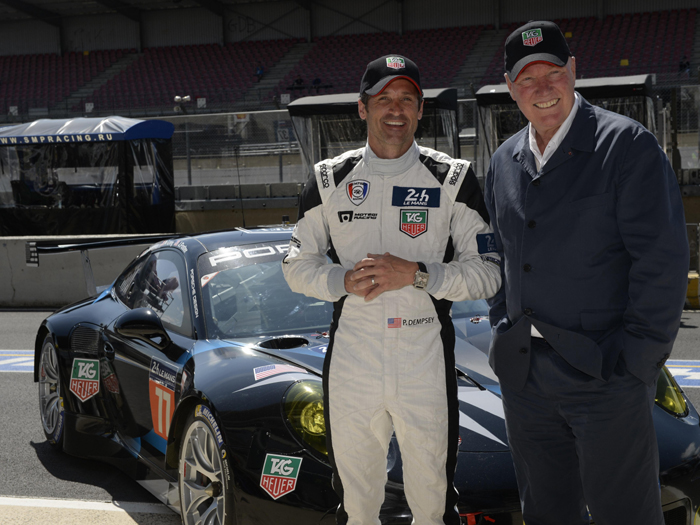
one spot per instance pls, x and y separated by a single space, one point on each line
279 476
85 378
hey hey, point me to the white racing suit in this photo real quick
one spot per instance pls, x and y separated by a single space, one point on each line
390 362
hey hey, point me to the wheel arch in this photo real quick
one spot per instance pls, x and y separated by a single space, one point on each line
38 343
183 410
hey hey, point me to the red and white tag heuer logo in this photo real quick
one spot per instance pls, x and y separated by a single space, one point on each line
279 476
413 223
85 378
395 63
532 37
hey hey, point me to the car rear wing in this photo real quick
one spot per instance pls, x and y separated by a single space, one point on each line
48 247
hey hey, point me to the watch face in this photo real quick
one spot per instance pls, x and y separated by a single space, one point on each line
420 280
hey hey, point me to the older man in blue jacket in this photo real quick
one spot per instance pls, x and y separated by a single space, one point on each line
589 220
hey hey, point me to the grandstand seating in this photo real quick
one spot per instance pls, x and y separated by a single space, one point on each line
340 61
40 81
651 42
221 74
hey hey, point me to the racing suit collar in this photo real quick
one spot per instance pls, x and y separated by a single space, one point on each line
391 166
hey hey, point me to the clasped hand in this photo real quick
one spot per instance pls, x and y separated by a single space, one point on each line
378 273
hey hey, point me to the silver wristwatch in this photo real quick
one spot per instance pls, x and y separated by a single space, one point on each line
420 279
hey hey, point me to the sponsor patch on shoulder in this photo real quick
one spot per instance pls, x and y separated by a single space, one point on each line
486 242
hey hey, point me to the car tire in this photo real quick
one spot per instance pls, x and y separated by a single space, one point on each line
51 408
204 472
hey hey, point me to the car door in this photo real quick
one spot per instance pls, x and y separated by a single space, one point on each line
147 366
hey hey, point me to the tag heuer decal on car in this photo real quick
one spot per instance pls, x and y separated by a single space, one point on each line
414 222
358 191
532 37
395 62
85 378
279 476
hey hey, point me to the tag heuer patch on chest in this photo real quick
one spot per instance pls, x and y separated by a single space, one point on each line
85 378
395 62
532 37
279 476
358 191
414 222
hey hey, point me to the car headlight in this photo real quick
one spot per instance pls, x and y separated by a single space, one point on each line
669 395
303 406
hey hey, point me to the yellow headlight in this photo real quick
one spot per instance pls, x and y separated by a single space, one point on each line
669 396
303 406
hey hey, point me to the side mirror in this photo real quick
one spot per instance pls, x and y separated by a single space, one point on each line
143 324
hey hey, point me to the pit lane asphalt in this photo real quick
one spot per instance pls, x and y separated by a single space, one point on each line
32 469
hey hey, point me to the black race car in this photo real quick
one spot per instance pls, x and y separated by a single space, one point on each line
198 372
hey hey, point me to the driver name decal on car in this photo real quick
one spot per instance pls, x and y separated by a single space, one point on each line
85 378
193 286
279 476
161 391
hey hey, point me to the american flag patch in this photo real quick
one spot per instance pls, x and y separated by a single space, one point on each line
262 372
393 322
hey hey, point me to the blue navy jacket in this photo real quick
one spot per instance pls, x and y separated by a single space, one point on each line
594 247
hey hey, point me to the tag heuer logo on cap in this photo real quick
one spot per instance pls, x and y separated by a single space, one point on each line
413 222
279 475
85 378
395 63
532 37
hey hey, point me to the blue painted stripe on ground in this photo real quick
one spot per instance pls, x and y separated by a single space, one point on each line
686 372
16 360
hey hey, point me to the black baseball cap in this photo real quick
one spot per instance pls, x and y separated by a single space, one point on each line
383 70
535 42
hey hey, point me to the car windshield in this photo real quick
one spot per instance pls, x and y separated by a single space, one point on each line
245 294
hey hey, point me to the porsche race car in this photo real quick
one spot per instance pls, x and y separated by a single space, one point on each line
198 372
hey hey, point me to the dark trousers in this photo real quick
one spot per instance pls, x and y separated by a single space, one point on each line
582 444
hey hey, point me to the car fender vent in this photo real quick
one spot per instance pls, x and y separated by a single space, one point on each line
85 339
284 343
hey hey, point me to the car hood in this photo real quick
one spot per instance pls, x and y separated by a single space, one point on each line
481 418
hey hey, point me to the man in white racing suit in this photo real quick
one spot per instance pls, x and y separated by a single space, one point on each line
407 233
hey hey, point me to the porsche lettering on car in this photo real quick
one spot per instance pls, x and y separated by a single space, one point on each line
198 372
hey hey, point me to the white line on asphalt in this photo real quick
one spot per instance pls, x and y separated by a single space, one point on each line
15 360
116 506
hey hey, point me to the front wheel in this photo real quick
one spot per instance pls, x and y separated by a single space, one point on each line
50 394
206 487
